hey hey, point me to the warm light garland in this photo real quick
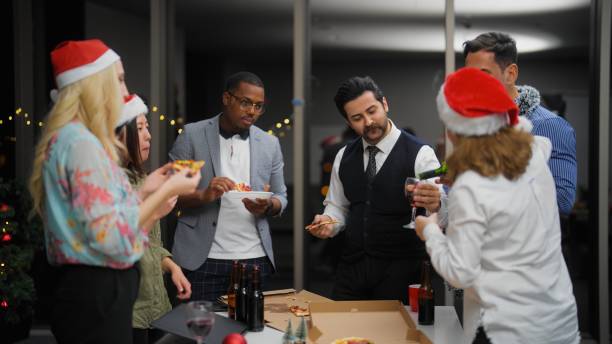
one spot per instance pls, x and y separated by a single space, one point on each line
279 129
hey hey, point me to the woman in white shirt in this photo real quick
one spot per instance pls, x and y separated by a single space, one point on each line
502 242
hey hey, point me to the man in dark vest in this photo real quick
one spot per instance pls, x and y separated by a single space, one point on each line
366 198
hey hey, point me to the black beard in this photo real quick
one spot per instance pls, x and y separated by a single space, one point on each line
373 127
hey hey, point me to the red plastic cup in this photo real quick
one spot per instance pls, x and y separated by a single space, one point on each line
413 297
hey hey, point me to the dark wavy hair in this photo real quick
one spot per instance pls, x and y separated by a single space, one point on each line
502 45
353 88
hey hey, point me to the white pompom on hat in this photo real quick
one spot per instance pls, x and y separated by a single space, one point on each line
473 103
76 60
133 107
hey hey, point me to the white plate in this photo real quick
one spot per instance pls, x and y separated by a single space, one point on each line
248 194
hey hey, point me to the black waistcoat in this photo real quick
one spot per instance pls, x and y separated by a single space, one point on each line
378 210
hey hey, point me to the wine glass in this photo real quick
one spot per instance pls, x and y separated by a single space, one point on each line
200 319
409 196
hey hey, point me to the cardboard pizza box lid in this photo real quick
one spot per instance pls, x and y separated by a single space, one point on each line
378 321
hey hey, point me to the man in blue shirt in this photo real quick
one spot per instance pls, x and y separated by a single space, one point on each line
496 54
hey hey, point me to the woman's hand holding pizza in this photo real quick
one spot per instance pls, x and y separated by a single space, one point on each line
183 182
154 180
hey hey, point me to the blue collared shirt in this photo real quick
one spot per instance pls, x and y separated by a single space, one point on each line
562 161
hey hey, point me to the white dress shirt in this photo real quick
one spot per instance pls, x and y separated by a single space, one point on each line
503 246
337 205
236 236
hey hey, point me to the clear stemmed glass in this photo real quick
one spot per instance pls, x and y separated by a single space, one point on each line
409 196
200 319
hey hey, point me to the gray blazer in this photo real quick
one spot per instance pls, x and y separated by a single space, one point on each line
196 226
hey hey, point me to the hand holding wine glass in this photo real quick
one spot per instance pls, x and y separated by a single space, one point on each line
409 186
200 319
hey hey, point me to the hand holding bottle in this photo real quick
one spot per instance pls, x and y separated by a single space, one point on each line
426 195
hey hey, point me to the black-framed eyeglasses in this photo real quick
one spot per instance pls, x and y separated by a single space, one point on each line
246 104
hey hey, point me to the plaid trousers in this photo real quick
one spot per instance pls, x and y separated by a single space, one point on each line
211 280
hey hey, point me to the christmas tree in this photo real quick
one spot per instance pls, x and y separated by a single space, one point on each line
20 236
301 334
288 337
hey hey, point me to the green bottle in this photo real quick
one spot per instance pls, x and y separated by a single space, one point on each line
434 173
301 334
288 337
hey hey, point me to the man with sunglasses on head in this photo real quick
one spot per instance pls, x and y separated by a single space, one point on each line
214 229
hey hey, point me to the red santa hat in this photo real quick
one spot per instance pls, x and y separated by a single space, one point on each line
133 107
473 103
76 60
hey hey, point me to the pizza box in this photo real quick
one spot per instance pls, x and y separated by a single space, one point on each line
277 303
378 321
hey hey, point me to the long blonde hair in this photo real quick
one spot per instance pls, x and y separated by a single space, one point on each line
506 152
96 102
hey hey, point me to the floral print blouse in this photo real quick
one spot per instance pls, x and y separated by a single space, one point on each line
91 211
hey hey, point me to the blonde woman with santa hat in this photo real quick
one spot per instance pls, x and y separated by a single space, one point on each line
95 225
502 242
152 301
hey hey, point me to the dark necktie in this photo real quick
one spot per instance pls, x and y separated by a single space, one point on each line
371 169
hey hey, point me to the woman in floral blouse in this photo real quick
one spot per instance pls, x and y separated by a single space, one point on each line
96 227
152 301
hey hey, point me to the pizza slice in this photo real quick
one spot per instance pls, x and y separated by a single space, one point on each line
193 165
299 311
242 187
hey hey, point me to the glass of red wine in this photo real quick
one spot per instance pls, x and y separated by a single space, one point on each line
200 319
410 181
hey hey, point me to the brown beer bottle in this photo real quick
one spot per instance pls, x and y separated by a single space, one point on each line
242 303
232 289
255 314
426 296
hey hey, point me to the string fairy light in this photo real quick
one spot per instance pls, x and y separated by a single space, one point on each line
279 129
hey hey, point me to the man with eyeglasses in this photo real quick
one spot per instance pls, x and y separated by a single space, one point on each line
215 229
